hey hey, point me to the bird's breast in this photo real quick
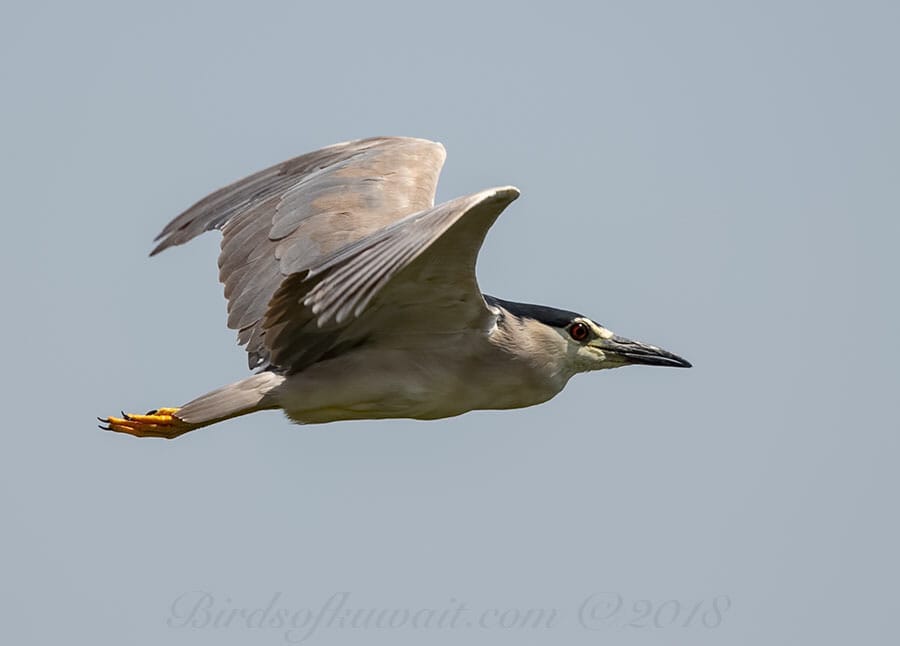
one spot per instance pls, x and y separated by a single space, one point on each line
429 383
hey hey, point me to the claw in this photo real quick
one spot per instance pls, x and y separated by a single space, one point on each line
161 422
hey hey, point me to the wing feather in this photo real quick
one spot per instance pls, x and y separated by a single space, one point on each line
377 282
297 212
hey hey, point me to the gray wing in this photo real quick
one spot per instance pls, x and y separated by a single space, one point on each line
300 211
414 276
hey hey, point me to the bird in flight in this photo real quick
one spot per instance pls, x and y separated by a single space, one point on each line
356 298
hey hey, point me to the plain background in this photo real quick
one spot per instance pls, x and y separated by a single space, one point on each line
718 178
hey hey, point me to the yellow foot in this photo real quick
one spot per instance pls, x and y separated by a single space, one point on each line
161 422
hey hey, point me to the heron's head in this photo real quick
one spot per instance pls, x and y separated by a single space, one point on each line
579 343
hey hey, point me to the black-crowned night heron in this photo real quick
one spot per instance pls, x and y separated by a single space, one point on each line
356 298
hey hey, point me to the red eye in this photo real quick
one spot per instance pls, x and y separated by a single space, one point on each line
579 331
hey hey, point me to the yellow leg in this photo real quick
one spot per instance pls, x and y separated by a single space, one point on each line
161 422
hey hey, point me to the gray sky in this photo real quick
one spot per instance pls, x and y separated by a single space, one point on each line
716 178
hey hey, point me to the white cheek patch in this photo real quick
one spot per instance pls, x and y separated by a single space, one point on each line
602 332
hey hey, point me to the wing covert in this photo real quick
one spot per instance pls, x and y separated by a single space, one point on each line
300 211
394 280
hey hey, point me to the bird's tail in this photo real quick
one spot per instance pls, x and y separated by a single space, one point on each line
246 396
233 400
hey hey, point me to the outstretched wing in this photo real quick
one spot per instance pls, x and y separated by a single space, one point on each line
415 276
300 211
